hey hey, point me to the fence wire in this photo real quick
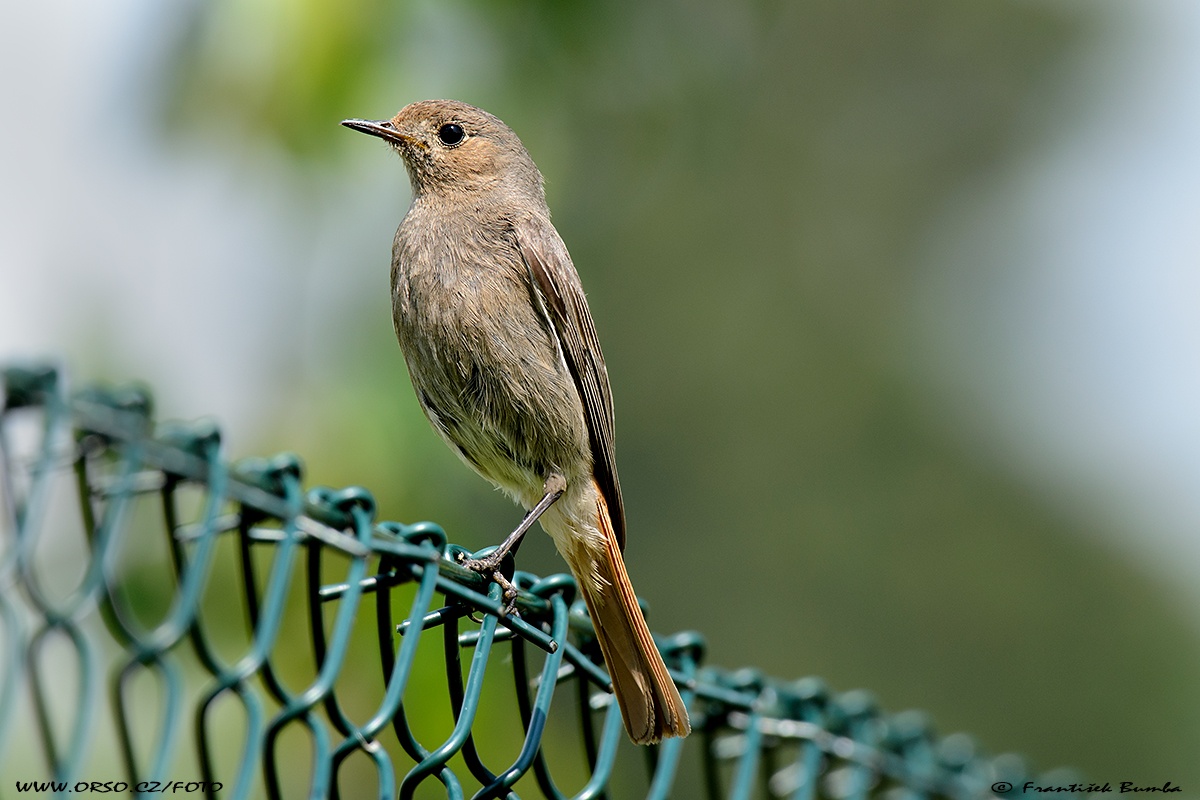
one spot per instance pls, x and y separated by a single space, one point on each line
312 578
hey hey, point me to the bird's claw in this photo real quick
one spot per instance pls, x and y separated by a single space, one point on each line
510 595
490 569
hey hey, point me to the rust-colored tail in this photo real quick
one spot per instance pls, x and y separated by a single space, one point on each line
650 703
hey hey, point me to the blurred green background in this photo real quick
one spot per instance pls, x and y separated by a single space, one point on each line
751 192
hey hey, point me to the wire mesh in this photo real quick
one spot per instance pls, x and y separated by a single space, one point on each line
312 578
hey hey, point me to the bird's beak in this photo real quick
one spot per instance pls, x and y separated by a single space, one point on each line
384 129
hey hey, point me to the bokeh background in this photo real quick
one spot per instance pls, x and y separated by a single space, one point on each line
900 302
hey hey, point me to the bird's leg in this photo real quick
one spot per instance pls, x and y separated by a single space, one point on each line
489 565
554 487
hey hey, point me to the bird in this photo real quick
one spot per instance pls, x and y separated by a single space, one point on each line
503 354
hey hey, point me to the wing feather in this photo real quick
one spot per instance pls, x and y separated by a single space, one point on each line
553 277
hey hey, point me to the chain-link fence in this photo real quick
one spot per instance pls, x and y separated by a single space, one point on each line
215 628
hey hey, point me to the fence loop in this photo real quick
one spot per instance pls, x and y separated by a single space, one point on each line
909 729
31 385
336 507
270 474
560 585
129 401
420 533
689 645
200 439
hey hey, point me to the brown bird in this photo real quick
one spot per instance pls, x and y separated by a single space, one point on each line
503 354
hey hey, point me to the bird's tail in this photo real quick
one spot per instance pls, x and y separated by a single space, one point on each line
650 703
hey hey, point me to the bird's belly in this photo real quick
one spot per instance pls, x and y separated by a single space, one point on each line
493 384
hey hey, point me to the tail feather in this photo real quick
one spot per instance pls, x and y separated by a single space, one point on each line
650 704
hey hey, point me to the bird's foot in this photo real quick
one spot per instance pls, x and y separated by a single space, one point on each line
489 568
489 565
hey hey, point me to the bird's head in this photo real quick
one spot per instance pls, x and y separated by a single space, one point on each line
451 146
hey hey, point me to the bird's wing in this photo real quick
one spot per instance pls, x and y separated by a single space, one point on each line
554 279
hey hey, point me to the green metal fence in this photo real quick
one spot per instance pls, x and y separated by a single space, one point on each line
248 546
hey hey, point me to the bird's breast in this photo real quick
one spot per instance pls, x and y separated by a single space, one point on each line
484 360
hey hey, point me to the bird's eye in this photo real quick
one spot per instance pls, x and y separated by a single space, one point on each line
451 134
